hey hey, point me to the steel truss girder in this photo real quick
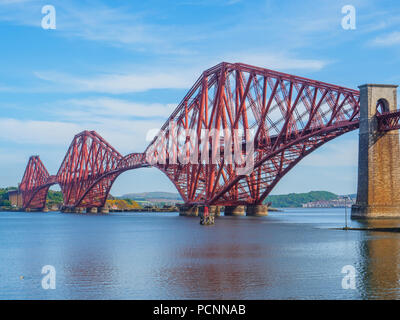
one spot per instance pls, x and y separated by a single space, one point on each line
285 113
286 117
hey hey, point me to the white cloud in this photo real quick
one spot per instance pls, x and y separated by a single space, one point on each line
90 108
181 77
96 21
117 83
124 135
125 124
278 61
37 132
390 39
140 31
180 54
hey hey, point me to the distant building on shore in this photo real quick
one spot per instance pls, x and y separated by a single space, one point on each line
15 198
341 202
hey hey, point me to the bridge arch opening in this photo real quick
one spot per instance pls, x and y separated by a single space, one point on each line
142 181
331 167
40 197
54 197
382 106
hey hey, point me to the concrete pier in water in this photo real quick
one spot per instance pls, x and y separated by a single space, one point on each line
104 210
196 210
234 210
257 210
91 210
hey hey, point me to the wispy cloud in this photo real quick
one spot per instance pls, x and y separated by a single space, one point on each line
144 31
128 126
92 108
96 21
36 132
387 40
115 83
279 61
181 52
127 136
181 77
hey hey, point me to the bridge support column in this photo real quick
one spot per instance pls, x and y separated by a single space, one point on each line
216 210
378 193
208 219
257 210
234 210
189 210
79 210
104 210
196 210
91 210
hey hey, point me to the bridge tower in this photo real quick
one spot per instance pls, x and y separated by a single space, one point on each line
378 194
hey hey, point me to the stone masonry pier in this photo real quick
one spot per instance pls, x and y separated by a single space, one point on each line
378 193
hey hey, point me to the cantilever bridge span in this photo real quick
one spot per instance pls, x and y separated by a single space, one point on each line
285 117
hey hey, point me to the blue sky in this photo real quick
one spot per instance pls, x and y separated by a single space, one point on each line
120 68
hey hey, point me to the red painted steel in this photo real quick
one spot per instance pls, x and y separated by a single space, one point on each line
388 121
285 118
289 117
86 175
35 184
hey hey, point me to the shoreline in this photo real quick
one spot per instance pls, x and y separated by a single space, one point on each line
118 210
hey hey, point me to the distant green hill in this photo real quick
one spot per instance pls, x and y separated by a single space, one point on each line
291 200
278 201
295 200
152 195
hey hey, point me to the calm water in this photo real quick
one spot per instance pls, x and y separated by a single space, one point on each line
287 255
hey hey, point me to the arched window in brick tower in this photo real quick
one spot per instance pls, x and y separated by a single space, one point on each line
382 106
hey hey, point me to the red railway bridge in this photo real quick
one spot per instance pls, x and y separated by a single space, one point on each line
281 119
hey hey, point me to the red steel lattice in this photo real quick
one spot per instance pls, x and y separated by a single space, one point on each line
289 116
285 117
35 184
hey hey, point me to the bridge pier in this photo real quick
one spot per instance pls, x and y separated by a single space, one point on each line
215 210
234 211
91 210
189 210
378 193
196 210
104 210
207 218
257 210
